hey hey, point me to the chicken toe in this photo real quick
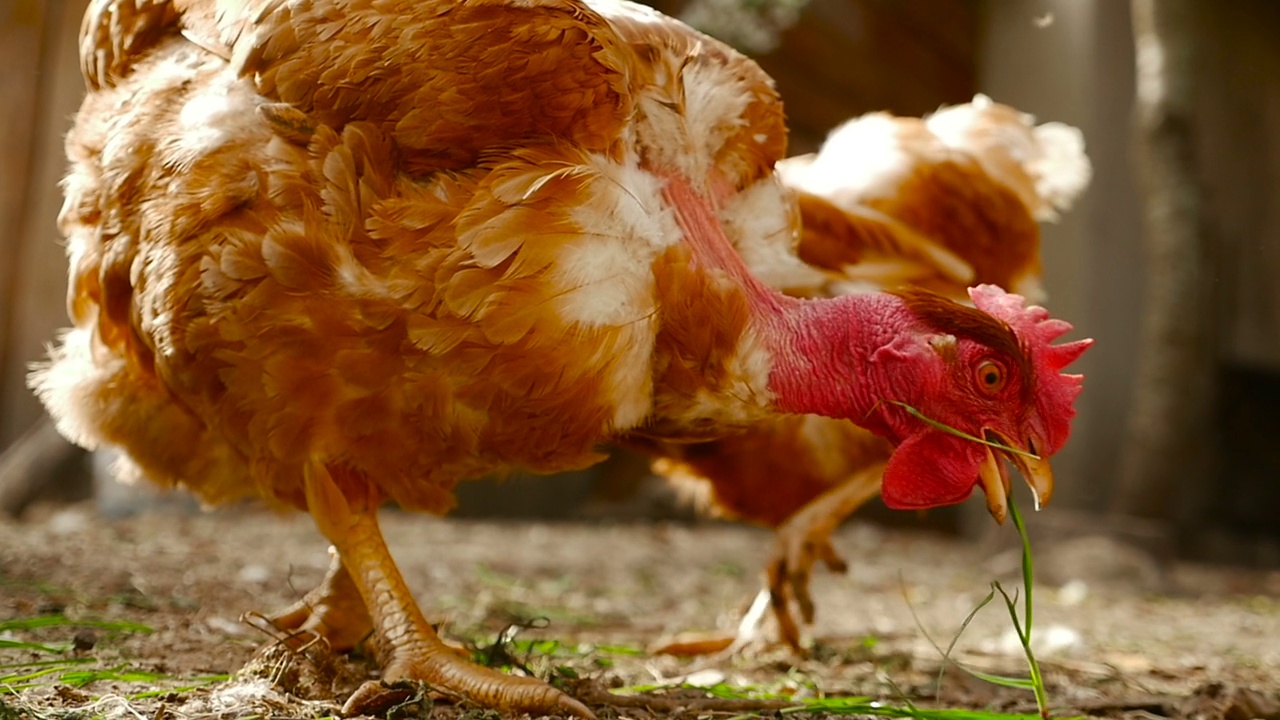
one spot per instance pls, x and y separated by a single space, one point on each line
803 541
333 611
409 647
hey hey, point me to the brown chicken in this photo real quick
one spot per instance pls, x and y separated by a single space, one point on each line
334 253
940 203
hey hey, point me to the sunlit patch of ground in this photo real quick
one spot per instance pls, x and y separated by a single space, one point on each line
168 591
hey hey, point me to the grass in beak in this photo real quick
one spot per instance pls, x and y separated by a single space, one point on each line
957 432
799 698
1022 625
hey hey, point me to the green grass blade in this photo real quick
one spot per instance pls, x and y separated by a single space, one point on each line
620 650
197 683
865 706
960 433
65 662
44 621
6 644
1011 605
860 705
1024 632
1028 570
946 656
28 677
1002 680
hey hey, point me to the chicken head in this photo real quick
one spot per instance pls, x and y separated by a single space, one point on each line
977 387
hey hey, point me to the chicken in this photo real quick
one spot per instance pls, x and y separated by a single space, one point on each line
334 253
940 202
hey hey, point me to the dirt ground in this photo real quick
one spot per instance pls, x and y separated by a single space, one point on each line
1116 637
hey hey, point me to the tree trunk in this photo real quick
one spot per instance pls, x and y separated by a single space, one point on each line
1168 438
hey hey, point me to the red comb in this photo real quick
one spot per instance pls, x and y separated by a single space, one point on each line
1032 325
1057 391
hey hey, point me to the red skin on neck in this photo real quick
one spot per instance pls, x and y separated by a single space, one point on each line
820 348
842 358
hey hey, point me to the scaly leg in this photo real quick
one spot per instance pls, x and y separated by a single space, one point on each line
803 540
411 647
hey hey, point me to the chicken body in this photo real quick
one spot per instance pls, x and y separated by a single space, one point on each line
331 253
941 203
311 270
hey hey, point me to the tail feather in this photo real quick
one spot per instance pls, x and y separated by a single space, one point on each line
1046 164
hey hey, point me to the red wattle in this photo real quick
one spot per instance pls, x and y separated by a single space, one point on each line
931 469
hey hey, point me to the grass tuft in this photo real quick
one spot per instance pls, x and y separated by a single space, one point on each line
75 671
867 706
1022 625
44 621
861 705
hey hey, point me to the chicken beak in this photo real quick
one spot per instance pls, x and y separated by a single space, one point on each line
1035 468
995 481
995 484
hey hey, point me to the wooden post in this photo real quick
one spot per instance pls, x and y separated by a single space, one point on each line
21 38
1169 432
34 300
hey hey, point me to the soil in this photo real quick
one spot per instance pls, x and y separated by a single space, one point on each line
1116 635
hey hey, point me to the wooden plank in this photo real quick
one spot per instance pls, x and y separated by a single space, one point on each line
1239 156
40 287
21 26
1079 70
948 29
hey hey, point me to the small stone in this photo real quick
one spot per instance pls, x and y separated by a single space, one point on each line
254 574
84 640
1073 593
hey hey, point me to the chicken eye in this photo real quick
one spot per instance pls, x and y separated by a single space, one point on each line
991 376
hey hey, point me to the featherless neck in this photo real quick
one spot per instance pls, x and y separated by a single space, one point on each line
820 349
822 352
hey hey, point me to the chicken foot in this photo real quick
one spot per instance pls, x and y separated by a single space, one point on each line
410 646
800 543
333 611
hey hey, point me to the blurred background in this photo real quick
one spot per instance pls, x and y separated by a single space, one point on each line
1170 260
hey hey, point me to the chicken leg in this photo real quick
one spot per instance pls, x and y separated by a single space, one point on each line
803 540
800 542
411 649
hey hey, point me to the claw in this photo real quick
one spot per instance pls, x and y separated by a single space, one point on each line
413 649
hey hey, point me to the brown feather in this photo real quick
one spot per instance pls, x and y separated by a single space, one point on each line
297 240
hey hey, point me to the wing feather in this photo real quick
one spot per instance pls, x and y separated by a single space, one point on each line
445 80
